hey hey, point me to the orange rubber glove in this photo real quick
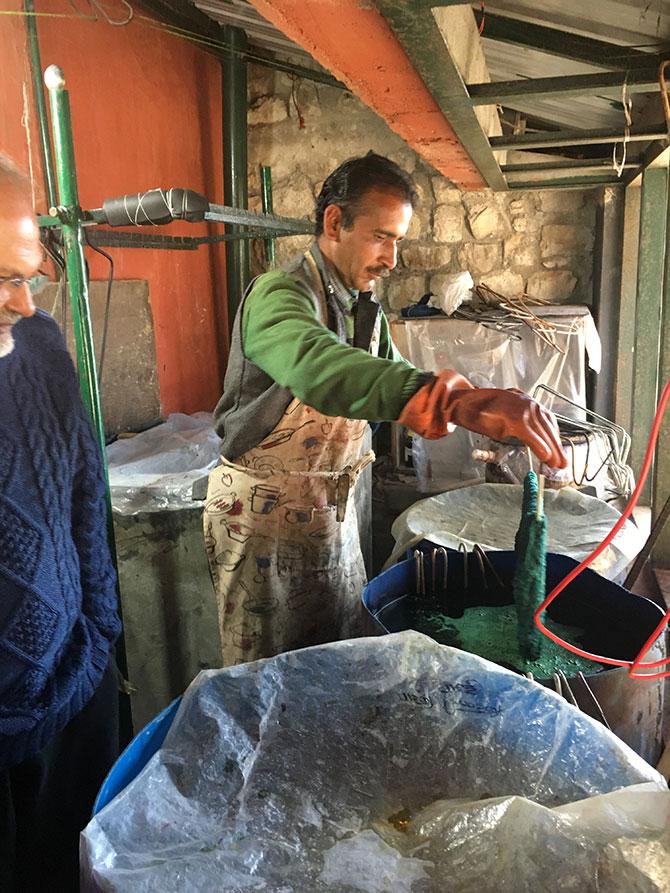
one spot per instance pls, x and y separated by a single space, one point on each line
449 400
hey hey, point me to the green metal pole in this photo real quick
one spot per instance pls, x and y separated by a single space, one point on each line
71 218
70 215
235 190
661 482
653 209
40 102
266 200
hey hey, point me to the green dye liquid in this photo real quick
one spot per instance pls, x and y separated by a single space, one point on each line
491 632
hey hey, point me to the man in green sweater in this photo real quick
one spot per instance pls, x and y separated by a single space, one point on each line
311 362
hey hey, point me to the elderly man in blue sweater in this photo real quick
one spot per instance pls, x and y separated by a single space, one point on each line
58 605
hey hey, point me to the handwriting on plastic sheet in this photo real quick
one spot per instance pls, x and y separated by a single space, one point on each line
464 696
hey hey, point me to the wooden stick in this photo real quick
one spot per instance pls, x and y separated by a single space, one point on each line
540 498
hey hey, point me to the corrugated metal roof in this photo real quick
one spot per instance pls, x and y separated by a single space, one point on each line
643 26
241 14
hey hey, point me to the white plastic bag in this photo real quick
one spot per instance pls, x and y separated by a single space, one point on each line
293 774
457 289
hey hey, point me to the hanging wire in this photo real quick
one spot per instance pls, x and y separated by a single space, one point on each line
175 31
664 92
98 11
482 8
627 103
82 15
130 12
108 298
51 248
301 120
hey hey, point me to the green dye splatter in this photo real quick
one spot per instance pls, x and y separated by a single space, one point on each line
492 632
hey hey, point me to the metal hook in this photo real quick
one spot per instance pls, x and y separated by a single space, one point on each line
596 702
464 550
420 582
489 565
445 573
568 694
478 552
434 566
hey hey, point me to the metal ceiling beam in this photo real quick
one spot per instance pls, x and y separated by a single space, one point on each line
558 42
581 164
602 180
417 32
609 84
575 138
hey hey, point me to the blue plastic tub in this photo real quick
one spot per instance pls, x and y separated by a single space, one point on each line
616 624
135 757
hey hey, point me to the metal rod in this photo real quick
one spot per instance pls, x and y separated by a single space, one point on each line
577 165
266 200
607 83
575 138
656 530
70 217
271 224
419 581
73 244
40 102
570 181
234 91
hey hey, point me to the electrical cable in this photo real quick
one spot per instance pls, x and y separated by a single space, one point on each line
49 244
108 298
637 663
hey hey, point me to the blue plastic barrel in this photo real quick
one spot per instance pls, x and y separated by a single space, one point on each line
135 757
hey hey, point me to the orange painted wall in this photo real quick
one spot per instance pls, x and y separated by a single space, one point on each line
146 109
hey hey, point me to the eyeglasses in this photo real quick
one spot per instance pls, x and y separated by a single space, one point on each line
35 283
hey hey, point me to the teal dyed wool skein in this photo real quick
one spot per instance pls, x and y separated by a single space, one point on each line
530 546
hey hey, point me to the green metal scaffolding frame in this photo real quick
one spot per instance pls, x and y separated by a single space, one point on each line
65 213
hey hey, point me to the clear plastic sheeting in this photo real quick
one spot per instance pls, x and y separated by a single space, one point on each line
499 359
155 471
489 514
381 764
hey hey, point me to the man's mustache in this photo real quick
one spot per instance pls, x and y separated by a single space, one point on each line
8 318
381 272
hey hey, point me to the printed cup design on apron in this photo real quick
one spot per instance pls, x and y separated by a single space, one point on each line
264 499
230 560
238 532
301 515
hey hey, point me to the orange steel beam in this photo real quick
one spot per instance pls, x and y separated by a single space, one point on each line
352 40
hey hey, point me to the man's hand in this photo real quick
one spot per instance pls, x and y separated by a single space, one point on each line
451 400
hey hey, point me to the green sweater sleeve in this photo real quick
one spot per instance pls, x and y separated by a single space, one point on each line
282 336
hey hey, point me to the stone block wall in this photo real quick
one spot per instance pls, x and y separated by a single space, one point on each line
535 242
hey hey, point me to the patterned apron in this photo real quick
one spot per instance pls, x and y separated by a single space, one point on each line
281 530
282 537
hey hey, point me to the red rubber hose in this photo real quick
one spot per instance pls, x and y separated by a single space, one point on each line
636 664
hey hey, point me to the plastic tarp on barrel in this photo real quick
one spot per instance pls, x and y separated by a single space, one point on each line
488 514
381 764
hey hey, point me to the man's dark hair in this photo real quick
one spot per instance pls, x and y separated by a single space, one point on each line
348 183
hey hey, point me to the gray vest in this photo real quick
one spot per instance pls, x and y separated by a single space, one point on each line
253 403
